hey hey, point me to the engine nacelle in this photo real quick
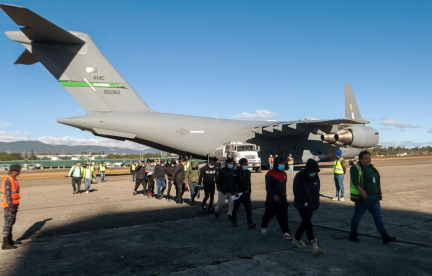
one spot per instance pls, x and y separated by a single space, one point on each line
358 136
329 138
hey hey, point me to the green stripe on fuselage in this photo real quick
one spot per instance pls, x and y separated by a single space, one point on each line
94 84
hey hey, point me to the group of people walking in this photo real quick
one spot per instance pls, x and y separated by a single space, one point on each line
234 186
78 174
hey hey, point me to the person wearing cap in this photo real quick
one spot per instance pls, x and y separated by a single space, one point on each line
306 188
170 174
76 173
207 179
242 188
223 185
339 171
290 160
140 178
276 199
10 199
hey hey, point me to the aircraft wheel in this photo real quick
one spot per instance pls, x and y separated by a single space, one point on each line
258 170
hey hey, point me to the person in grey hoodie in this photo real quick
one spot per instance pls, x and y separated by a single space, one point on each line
149 169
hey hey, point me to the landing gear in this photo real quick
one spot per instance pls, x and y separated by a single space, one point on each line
258 170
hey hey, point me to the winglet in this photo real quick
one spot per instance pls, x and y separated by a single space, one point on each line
37 28
351 109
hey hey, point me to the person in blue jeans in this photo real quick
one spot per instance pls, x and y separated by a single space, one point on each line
365 189
339 171
159 175
88 177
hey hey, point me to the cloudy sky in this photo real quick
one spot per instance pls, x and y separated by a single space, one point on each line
250 60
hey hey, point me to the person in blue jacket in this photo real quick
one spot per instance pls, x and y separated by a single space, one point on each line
306 188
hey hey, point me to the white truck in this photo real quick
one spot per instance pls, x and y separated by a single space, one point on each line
237 151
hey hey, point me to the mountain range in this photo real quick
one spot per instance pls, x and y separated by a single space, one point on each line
39 147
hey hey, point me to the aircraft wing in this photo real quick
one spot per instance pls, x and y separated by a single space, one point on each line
278 129
352 117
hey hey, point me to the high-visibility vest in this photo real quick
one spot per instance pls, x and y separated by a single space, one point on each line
102 168
338 169
133 167
355 194
73 169
291 162
15 192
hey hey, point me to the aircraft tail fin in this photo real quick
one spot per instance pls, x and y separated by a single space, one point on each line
351 109
75 61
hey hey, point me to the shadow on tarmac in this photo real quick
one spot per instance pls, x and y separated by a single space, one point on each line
178 240
36 227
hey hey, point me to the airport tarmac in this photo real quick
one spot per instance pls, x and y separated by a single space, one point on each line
109 231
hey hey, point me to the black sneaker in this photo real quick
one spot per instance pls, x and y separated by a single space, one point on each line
210 210
204 209
193 204
217 214
353 237
387 239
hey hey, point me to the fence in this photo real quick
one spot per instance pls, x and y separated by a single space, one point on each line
53 164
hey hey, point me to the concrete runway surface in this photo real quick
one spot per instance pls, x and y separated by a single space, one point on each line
109 231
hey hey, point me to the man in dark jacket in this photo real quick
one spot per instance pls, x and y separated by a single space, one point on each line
159 175
223 183
242 189
208 179
140 176
306 188
276 200
179 178
170 174
366 192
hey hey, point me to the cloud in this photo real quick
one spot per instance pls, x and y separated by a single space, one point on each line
397 124
4 124
430 131
260 114
70 141
311 118
12 136
384 128
408 144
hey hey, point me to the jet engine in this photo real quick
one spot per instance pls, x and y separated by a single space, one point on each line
358 136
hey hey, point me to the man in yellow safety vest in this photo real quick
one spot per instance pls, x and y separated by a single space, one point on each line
339 171
102 170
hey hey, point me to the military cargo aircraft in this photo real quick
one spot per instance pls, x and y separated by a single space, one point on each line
111 104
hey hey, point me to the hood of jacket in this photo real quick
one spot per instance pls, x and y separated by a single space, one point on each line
312 166
195 165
